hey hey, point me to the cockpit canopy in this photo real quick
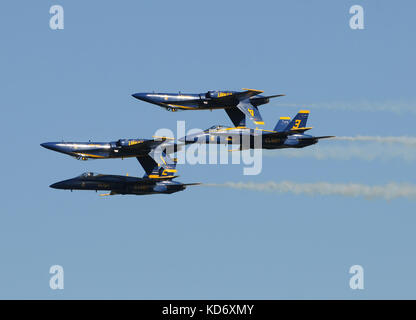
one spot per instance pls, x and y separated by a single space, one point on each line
122 142
210 94
88 174
217 127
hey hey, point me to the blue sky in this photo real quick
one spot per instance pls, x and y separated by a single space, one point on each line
75 84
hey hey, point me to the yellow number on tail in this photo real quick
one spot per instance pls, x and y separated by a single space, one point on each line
251 111
297 123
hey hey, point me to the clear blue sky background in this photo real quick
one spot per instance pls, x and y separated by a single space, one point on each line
75 84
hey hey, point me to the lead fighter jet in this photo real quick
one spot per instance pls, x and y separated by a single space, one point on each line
237 104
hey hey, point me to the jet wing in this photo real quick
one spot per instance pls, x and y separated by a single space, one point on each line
250 111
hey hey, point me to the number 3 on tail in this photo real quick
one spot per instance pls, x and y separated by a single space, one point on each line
297 123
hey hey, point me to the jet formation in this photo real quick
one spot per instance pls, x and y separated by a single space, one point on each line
154 154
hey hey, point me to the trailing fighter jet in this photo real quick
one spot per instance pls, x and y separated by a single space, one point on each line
157 179
122 148
237 104
286 134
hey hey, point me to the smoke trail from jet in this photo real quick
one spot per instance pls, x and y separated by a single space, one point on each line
365 153
388 191
405 140
370 148
398 107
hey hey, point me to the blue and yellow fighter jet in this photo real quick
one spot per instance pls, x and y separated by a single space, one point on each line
157 180
122 148
286 134
237 104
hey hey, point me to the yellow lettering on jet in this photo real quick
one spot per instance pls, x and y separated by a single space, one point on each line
133 142
224 94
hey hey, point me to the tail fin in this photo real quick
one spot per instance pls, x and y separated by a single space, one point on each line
282 124
237 117
158 165
299 121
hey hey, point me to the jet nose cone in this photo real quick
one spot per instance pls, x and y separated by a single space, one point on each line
46 145
50 145
140 96
57 185
65 184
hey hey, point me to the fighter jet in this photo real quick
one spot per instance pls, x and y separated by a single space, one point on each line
237 104
157 180
286 134
122 148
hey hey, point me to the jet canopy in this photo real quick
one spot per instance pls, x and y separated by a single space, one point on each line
217 127
88 175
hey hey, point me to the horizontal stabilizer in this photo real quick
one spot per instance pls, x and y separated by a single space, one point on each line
275 96
159 177
300 130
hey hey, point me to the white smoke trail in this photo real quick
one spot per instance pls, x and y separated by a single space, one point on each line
366 153
391 106
405 140
388 191
369 148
